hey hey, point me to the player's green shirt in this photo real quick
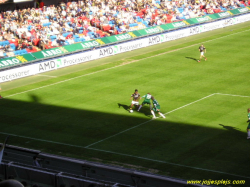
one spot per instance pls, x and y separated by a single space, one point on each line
156 105
147 97
248 115
155 102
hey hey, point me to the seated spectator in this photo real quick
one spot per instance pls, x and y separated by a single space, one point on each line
60 40
1 53
8 48
19 47
54 43
101 18
71 40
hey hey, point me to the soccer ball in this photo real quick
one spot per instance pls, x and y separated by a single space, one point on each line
131 111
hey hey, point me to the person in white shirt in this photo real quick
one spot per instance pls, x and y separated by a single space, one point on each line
71 40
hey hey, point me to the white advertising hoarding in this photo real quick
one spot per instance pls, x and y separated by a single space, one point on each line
64 61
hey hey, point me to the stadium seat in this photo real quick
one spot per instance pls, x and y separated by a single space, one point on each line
66 42
29 27
52 37
23 51
46 24
13 46
76 39
4 43
81 39
66 34
180 10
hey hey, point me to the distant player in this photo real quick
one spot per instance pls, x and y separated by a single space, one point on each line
248 127
146 101
156 108
136 97
202 50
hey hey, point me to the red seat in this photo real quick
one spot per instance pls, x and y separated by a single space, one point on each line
217 10
31 50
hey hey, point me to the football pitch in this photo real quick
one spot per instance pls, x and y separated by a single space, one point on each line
82 111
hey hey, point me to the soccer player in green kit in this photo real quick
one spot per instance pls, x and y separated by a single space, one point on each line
156 108
248 127
146 101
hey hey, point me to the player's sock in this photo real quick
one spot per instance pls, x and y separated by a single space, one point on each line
139 108
248 134
153 113
162 115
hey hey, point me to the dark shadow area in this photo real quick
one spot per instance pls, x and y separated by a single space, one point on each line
163 146
233 130
192 58
230 128
125 107
144 110
34 98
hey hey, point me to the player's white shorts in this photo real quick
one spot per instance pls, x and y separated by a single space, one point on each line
202 53
135 102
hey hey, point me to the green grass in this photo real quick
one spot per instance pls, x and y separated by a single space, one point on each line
203 140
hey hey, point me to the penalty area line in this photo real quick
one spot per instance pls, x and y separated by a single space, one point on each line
147 121
232 95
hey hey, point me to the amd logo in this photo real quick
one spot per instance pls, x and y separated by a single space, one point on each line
154 40
106 51
194 30
47 66
228 22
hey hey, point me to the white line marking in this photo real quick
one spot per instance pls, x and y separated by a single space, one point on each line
37 139
170 163
148 121
149 159
193 44
119 65
62 81
46 75
233 95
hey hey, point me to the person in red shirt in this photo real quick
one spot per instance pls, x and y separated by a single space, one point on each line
41 4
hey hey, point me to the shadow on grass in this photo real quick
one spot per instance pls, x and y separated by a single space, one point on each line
192 58
145 110
231 129
133 139
125 107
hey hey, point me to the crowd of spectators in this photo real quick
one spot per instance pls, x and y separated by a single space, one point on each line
43 27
